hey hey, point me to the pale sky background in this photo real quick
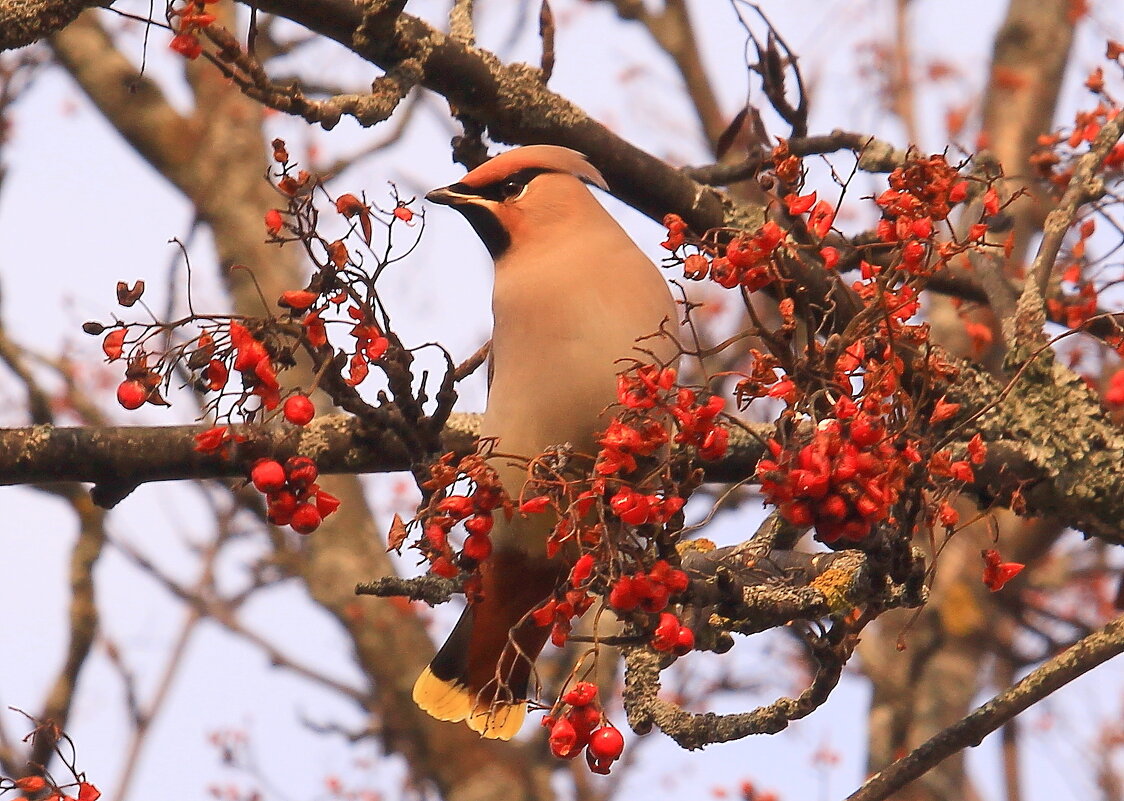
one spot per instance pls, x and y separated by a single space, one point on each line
79 211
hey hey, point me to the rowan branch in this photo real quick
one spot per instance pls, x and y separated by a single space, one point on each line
1085 185
1072 663
646 709
24 22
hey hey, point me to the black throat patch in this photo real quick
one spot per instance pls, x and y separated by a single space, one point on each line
487 227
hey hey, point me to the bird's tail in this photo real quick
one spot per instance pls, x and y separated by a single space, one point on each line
481 674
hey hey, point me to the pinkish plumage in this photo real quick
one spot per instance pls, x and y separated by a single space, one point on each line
550 157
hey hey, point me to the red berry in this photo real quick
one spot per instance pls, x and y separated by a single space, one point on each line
297 299
833 507
666 634
305 519
606 743
583 569
132 394
268 475
187 45
478 547
458 506
299 410
274 221
684 641
798 513
865 431
30 784
280 508
441 566
479 524
623 597
301 470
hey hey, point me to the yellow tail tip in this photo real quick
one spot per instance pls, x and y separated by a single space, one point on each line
501 721
444 700
452 701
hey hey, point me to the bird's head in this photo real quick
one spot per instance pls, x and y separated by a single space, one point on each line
523 193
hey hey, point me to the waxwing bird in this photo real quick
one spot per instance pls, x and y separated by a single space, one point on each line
572 296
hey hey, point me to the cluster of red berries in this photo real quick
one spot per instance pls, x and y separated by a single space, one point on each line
36 786
842 482
921 192
647 390
255 363
745 261
582 726
560 613
1086 126
697 426
649 592
671 635
370 345
189 19
293 497
476 510
622 443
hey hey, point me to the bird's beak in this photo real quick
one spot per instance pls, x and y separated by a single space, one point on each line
448 196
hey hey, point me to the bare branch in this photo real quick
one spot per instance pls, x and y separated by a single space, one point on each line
1072 663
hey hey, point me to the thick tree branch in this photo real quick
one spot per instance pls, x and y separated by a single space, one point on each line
338 443
24 22
646 709
1052 449
511 99
1051 446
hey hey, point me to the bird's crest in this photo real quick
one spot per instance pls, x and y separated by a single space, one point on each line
547 157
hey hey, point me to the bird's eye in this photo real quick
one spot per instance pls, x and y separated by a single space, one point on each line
511 189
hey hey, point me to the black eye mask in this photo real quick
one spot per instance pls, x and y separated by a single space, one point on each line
505 188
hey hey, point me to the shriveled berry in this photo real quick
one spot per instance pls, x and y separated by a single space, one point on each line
457 506
326 503
564 740
582 694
